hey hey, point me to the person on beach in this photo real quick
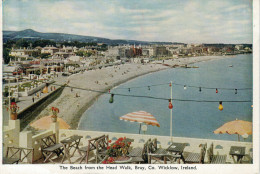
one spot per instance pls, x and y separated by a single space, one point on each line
33 99
71 89
38 95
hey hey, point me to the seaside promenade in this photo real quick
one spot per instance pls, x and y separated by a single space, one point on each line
27 101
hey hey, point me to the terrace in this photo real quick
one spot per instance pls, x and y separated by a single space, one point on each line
192 146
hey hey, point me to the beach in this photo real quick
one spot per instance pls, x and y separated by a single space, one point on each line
74 102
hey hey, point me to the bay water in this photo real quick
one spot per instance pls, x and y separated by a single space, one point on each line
190 119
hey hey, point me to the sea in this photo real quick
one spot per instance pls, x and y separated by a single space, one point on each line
190 118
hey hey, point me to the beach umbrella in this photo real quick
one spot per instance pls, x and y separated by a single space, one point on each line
141 117
238 127
45 123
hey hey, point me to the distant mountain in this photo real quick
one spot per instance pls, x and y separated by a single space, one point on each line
60 37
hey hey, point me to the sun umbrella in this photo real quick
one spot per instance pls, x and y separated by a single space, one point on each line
45 122
141 117
239 127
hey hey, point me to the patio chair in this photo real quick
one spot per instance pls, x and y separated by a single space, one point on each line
139 154
155 153
197 157
215 159
18 154
101 148
49 147
92 145
248 158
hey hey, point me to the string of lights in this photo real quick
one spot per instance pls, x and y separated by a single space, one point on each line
151 97
185 87
111 100
178 84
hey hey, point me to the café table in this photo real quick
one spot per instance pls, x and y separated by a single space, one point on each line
238 152
69 143
177 149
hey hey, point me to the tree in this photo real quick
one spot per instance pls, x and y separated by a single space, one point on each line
80 53
44 55
43 43
22 43
6 55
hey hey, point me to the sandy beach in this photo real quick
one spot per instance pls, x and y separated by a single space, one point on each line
72 107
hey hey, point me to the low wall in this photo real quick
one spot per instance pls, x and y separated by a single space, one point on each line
27 93
29 113
10 133
221 147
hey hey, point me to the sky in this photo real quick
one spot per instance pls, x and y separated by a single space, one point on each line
188 21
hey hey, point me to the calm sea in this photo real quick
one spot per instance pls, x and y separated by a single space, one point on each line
190 119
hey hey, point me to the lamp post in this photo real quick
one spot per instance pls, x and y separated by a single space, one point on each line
9 98
17 78
171 114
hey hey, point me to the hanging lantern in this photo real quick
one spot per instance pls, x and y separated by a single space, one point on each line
170 104
216 90
129 90
185 87
111 100
200 89
220 107
149 88
235 91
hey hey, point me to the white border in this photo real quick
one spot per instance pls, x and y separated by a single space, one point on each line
212 169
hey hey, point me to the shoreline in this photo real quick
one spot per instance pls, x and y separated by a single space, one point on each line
91 102
72 108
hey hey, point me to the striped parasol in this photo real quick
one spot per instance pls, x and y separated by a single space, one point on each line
141 117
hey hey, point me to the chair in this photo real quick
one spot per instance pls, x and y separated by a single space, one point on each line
197 157
49 147
215 159
247 159
157 154
139 154
101 148
18 154
92 145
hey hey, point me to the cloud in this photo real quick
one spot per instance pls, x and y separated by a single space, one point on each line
237 7
169 20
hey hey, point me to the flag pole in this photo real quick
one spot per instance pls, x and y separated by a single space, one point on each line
171 116
140 128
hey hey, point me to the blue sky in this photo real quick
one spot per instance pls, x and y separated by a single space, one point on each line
189 21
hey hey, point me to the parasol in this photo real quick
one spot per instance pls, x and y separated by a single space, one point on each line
45 122
141 117
239 127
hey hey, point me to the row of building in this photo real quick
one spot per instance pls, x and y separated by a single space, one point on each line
132 51
175 50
